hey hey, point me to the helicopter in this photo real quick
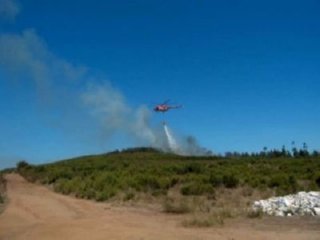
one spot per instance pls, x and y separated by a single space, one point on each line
164 107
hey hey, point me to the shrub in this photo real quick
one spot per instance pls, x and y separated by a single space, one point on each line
104 179
102 176
255 213
277 181
230 181
59 186
317 179
190 168
215 180
105 194
129 195
176 207
292 182
197 188
22 165
146 183
88 193
2 188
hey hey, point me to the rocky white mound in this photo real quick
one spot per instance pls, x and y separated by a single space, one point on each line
302 203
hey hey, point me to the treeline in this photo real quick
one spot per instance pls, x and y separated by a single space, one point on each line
125 174
294 152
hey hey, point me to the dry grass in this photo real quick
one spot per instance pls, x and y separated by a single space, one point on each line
216 218
177 206
205 212
254 214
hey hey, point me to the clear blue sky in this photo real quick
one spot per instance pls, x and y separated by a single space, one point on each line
247 73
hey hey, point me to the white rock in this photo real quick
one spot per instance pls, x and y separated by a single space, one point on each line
302 203
317 211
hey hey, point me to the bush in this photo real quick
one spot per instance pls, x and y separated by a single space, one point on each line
103 176
176 207
230 181
317 179
255 213
105 179
277 181
22 165
283 184
148 183
2 188
293 184
215 180
129 195
105 194
190 168
197 188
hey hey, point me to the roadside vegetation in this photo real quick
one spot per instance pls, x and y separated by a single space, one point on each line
217 187
2 192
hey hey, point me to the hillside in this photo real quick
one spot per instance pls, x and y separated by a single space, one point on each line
176 183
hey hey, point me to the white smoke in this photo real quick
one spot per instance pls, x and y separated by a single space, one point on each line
115 115
26 57
9 9
187 146
109 106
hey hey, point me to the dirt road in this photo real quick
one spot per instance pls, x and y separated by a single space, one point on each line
34 212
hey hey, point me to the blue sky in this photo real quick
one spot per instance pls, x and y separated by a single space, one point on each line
247 73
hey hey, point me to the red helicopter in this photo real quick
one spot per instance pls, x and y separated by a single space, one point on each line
165 107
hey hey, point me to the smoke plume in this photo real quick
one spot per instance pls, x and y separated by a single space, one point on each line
27 57
9 9
184 145
110 107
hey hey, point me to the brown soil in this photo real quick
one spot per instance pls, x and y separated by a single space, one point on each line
34 212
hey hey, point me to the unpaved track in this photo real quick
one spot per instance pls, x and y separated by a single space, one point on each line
34 212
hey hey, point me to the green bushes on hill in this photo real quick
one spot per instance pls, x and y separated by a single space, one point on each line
102 177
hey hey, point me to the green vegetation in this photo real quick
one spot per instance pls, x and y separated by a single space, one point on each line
145 170
2 190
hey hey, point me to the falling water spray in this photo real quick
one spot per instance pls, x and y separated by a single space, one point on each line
171 141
